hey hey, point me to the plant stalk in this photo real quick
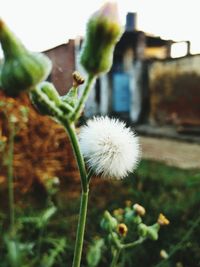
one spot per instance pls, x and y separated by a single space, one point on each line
134 244
84 196
80 230
79 158
115 258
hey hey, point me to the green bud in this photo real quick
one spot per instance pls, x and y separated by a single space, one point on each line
152 232
71 97
142 230
49 89
113 238
21 68
103 32
45 99
131 216
108 222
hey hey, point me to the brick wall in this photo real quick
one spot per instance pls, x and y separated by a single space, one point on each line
63 59
175 91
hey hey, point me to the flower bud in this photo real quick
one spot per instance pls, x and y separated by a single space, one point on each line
45 98
103 32
108 222
142 230
118 214
139 209
122 229
152 231
164 254
21 69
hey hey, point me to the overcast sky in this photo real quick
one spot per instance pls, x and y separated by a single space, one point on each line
43 24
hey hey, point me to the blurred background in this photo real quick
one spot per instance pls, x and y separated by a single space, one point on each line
154 85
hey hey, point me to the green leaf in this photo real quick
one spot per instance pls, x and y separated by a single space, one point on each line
95 252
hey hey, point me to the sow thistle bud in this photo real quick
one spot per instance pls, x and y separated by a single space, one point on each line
108 222
45 98
21 69
103 32
140 210
149 231
122 229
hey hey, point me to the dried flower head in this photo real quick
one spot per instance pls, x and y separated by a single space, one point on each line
109 147
77 79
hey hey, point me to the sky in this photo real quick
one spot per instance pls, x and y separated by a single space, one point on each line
43 24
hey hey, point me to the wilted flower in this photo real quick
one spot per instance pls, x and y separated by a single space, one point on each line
109 147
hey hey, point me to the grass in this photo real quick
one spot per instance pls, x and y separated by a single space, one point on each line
158 188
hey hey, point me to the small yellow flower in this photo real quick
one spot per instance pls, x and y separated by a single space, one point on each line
122 229
162 220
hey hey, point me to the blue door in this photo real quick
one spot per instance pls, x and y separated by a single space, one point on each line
121 92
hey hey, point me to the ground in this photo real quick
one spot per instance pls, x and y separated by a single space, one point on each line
175 153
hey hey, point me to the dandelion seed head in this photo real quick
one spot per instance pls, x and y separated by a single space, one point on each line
109 147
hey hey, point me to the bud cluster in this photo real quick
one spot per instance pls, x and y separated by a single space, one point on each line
129 220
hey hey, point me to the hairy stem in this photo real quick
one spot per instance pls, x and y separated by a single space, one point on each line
84 196
79 158
80 230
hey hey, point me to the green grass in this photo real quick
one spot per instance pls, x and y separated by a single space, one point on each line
158 188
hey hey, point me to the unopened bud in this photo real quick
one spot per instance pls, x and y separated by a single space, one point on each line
152 231
108 222
142 229
164 254
140 210
103 32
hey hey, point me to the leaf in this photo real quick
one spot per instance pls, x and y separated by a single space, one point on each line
95 252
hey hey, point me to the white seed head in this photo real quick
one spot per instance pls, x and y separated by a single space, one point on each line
109 147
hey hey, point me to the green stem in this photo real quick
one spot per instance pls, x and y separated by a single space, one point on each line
80 230
79 158
10 175
84 196
89 175
115 258
134 244
86 91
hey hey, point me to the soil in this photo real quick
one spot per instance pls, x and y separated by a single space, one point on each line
173 153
